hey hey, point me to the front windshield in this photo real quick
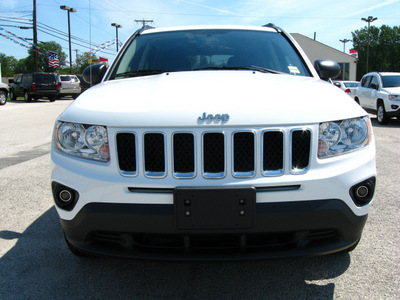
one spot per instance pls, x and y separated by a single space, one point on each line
208 49
391 81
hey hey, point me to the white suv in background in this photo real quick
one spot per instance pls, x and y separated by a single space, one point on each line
379 93
70 86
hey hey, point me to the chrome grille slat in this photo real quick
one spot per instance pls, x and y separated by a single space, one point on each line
243 154
154 155
214 153
272 153
184 155
249 153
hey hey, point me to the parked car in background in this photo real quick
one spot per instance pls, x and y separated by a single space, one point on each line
70 86
3 93
35 86
347 86
379 93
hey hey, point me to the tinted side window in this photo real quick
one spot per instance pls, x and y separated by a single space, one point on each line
27 79
374 82
365 81
45 78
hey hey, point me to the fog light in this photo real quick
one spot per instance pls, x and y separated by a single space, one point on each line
363 192
64 197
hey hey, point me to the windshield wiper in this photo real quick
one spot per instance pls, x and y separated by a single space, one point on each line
252 68
139 73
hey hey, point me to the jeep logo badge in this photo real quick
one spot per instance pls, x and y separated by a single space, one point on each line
223 118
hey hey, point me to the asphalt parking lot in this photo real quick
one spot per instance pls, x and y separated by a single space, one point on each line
36 264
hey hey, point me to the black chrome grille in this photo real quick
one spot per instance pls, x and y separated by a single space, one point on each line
213 154
273 152
154 153
184 153
243 154
300 150
126 152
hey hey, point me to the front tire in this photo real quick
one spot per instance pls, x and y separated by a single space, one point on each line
3 97
12 95
27 97
381 114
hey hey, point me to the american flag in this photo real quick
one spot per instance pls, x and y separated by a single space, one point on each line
53 60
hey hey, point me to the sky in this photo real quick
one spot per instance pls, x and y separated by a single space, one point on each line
328 21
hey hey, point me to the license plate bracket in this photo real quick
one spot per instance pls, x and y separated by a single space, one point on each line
214 208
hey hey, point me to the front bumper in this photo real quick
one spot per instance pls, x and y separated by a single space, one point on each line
149 231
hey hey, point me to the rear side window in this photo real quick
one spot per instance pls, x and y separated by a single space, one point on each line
65 78
45 78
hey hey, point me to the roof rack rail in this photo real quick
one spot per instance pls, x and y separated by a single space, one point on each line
272 25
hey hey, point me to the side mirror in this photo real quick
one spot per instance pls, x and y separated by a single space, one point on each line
373 86
337 84
327 69
94 72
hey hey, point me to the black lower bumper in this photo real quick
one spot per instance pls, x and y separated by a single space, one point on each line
150 231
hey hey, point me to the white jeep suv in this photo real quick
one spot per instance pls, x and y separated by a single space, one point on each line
379 93
213 143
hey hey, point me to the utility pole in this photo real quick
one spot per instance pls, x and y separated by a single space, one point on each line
144 21
369 20
35 53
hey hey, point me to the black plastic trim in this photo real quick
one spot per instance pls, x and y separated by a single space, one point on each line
297 218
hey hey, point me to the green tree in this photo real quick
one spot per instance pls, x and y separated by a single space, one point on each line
82 61
384 49
8 65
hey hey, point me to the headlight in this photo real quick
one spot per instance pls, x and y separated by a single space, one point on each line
82 140
336 138
394 97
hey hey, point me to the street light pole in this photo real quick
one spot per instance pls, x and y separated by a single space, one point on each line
116 32
369 20
344 43
69 10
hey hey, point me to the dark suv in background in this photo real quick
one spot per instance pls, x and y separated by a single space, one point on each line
35 86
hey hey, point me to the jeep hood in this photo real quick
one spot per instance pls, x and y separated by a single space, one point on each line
180 98
392 90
